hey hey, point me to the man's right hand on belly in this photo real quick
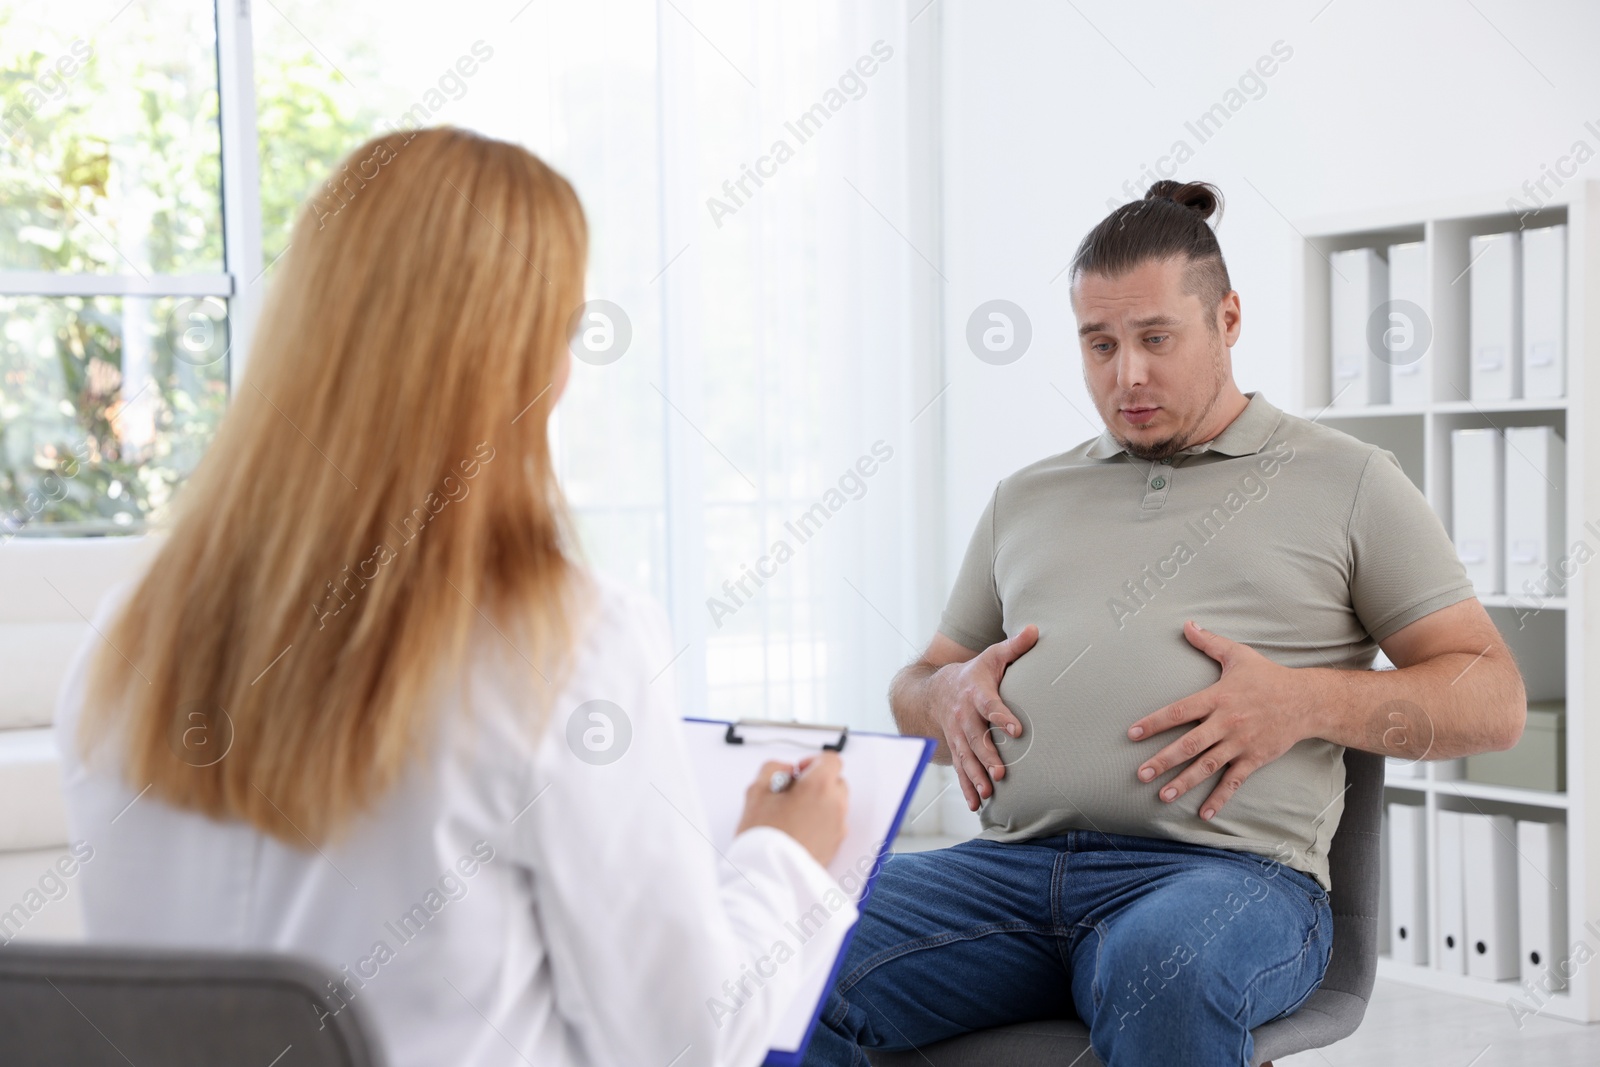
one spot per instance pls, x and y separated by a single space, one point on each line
967 705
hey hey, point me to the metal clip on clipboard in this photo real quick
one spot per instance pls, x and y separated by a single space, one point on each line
733 737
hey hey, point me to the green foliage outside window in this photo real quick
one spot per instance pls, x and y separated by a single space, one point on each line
110 165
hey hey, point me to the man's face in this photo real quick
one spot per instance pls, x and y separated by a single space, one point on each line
1155 360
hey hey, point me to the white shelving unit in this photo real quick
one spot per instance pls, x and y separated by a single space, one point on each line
1550 637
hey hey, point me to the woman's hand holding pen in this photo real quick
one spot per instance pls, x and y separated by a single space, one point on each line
810 808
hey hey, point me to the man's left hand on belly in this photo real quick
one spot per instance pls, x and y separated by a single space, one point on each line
1249 717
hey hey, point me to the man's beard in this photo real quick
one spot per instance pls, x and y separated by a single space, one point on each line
1159 451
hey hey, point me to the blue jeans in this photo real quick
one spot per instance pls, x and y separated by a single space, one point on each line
1169 952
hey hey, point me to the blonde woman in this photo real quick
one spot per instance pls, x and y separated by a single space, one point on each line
364 707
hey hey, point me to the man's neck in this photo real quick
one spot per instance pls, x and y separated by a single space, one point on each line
1230 405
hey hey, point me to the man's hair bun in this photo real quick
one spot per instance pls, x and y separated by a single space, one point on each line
1169 220
1203 198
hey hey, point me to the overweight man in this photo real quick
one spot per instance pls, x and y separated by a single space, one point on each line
1156 651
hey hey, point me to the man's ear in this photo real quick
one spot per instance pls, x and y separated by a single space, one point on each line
1229 318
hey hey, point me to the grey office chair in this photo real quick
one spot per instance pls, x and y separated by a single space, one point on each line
91 1006
1333 1012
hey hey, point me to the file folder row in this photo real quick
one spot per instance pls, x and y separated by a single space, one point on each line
1508 508
1502 896
1382 330
1518 302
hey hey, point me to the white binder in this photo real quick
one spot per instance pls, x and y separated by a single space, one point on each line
1408 884
1535 502
1359 283
1489 859
1477 466
1450 941
1495 319
1410 376
1542 891
1544 312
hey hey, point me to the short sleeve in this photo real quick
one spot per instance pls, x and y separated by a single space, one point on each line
1403 564
972 617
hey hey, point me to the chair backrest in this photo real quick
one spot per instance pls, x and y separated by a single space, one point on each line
94 1006
1353 860
1335 1010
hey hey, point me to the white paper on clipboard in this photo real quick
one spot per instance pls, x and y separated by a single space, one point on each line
881 770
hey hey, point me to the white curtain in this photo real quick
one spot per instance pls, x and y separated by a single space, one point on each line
751 458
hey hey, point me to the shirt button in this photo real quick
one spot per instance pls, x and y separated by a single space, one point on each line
1158 482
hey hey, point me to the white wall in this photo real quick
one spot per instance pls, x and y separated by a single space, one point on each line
1046 117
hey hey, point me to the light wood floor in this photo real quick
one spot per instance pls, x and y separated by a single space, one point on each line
1425 1028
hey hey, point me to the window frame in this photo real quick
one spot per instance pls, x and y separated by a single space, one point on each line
239 283
240 180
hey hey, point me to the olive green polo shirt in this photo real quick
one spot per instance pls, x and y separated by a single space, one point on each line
1304 543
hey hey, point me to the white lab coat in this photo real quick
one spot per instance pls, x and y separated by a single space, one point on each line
509 902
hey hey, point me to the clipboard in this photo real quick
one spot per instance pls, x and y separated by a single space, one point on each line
882 771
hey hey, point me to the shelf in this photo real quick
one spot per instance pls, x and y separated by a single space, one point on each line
1442 407
1504 794
1468 790
1551 637
1534 603
1474 407
1369 411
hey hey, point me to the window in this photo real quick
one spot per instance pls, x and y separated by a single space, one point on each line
114 350
747 449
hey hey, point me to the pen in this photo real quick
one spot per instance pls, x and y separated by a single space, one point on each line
782 780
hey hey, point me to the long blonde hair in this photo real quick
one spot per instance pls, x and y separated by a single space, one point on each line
381 483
